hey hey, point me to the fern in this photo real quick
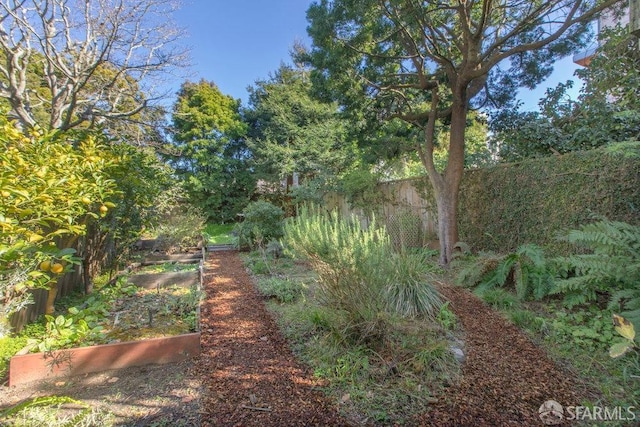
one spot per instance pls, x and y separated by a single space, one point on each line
611 266
526 269
473 273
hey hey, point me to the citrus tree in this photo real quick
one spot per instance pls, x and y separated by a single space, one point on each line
50 188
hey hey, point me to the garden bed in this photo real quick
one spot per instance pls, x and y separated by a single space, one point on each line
83 360
152 323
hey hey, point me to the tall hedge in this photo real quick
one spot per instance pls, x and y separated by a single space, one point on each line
532 201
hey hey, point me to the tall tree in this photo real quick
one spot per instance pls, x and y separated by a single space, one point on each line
209 135
97 59
427 61
291 132
606 111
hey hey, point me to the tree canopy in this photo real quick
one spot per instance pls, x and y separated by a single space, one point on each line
606 111
210 152
291 132
80 64
425 62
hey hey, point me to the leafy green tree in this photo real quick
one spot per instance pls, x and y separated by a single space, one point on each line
50 193
424 62
210 151
291 132
607 109
477 153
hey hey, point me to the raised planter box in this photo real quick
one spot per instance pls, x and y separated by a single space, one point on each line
161 280
178 258
82 360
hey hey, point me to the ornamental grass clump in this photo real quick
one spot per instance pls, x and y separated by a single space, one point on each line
359 274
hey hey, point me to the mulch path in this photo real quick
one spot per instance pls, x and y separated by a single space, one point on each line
250 377
505 378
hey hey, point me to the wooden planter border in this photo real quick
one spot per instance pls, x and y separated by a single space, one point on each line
83 360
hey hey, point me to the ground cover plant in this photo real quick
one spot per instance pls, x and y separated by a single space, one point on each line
116 313
384 352
218 234
574 318
56 411
168 267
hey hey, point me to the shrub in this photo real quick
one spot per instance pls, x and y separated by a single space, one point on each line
9 346
358 273
410 293
262 223
526 270
611 267
605 181
52 189
283 290
179 223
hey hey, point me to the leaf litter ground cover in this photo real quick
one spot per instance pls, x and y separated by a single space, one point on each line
246 364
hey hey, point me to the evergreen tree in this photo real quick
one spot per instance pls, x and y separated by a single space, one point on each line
210 152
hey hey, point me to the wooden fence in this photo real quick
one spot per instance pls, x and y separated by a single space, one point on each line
67 284
410 219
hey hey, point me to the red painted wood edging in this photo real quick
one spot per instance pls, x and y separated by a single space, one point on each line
82 360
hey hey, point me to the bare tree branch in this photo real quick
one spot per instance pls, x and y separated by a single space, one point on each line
98 59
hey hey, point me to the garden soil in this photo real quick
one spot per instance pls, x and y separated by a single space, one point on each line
247 375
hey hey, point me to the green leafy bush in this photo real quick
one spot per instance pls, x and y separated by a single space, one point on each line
283 290
360 189
179 223
611 267
603 181
262 223
80 325
526 270
9 346
359 275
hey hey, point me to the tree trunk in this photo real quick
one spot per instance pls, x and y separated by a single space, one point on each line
447 184
52 292
447 202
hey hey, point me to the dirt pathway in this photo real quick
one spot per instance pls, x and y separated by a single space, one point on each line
506 378
251 378
249 375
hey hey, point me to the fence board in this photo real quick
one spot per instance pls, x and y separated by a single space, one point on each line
400 207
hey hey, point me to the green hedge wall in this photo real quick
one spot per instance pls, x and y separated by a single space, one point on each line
533 201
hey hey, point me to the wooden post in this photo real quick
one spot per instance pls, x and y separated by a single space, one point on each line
634 17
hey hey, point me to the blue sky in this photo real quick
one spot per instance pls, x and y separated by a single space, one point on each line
234 43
